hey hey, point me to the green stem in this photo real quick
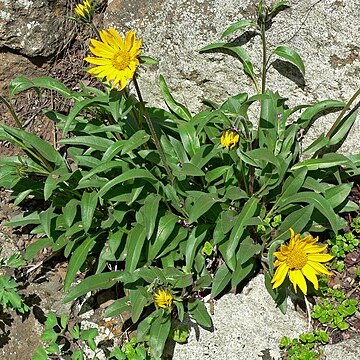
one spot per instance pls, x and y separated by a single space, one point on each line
264 60
94 29
344 110
152 130
12 111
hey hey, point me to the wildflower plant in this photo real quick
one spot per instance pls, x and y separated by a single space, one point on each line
151 198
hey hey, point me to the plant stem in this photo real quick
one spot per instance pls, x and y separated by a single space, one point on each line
94 29
264 60
12 111
152 130
344 110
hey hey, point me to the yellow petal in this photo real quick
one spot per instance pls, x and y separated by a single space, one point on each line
312 249
310 274
119 40
292 233
129 39
280 256
320 268
279 275
297 278
320 257
101 49
98 61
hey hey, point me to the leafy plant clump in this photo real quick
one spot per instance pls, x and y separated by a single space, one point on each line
341 245
306 347
9 297
166 200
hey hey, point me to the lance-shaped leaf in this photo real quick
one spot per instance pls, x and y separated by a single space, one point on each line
237 26
290 55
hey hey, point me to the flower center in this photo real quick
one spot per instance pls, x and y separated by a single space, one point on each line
121 60
297 259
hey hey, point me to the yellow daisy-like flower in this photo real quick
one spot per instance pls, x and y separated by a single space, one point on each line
300 259
83 10
163 298
116 57
230 139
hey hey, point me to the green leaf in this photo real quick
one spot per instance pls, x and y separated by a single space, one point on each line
138 302
53 349
88 205
279 294
221 279
321 142
238 51
159 333
21 220
327 161
242 271
315 111
201 205
247 250
49 335
40 354
341 131
89 335
54 179
199 313
69 211
97 281
191 170
51 320
28 141
237 26
293 183
297 220
248 211
33 249
165 228
118 307
338 194
46 221
77 259
151 207
192 244
20 84
79 106
134 243
128 175
77 355
178 109
147 60
94 142
216 173
290 55
320 204
189 138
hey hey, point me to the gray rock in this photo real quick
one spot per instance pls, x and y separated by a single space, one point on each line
246 326
323 32
349 350
33 27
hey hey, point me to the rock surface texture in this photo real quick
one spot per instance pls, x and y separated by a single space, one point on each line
249 326
32 27
246 326
325 33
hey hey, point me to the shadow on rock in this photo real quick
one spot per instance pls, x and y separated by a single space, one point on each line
290 71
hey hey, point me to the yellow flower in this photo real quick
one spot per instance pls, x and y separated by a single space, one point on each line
163 298
83 10
230 138
116 57
300 259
